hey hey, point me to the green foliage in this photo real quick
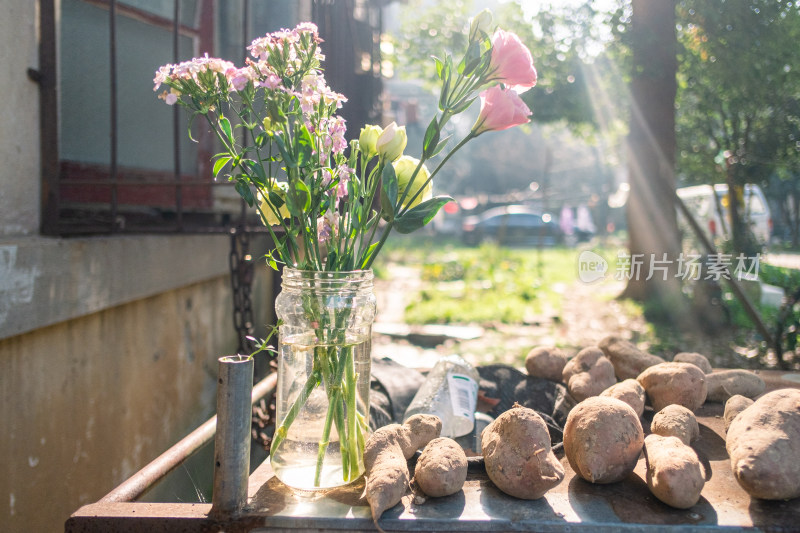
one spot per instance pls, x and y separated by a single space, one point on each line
463 285
739 89
321 197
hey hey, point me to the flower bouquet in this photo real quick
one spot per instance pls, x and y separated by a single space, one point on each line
330 206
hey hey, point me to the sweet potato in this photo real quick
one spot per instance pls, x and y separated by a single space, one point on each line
628 360
544 362
697 359
676 421
603 439
763 442
630 392
726 383
735 405
674 473
386 453
674 383
441 468
516 451
588 374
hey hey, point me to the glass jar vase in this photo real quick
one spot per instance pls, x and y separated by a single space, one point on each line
322 397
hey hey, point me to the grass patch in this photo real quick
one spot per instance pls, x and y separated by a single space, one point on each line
484 284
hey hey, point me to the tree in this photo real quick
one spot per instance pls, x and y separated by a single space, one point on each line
739 98
560 39
652 225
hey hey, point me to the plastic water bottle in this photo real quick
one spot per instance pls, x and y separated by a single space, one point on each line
450 392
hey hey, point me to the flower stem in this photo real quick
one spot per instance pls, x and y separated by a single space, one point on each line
300 401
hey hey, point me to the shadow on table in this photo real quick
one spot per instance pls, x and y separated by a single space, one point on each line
630 501
501 508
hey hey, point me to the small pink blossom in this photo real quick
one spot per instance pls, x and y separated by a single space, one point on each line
345 173
337 129
238 78
511 62
272 81
327 226
326 177
500 109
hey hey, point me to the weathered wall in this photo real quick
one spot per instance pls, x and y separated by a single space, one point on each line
87 402
108 345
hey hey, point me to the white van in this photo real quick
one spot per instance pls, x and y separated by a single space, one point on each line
713 215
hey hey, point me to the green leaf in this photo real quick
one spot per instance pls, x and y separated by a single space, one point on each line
220 164
460 108
243 188
259 175
431 138
446 73
274 111
439 66
440 146
305 146
303 195
472 58
368 254
275 199
271 261
388 192
225 126
287 157
420 215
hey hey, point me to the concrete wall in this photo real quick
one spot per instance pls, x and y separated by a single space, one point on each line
108 345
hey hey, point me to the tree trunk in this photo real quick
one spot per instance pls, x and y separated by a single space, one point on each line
795 219
652 225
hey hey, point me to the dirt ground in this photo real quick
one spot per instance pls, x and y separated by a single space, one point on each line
588 313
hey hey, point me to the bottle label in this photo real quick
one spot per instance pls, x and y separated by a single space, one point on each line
463 395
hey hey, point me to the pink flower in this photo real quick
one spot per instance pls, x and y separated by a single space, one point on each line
345 173
337 131
272 81
511 63
239 77
500 109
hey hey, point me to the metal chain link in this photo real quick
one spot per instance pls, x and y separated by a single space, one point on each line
241 266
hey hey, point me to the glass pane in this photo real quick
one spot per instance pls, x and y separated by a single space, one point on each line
84 75
144 122
166 9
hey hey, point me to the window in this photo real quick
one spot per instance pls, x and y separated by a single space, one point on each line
114 157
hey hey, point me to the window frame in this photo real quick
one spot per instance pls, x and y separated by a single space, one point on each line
168 193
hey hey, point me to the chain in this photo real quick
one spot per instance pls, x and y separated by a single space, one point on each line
241 265
242 268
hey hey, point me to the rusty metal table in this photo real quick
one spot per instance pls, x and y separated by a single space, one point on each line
572 506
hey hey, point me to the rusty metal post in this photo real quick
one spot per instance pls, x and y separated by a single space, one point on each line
232 442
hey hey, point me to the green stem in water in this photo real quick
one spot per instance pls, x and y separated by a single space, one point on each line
334 390
300 401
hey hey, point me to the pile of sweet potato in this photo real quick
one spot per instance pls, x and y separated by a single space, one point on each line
603 440
604 436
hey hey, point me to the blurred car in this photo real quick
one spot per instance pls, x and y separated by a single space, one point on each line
511 225
713 216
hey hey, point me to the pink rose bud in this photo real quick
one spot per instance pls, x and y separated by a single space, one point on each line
511 63
500 109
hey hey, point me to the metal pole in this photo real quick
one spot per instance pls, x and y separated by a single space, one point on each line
138 484
232 443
